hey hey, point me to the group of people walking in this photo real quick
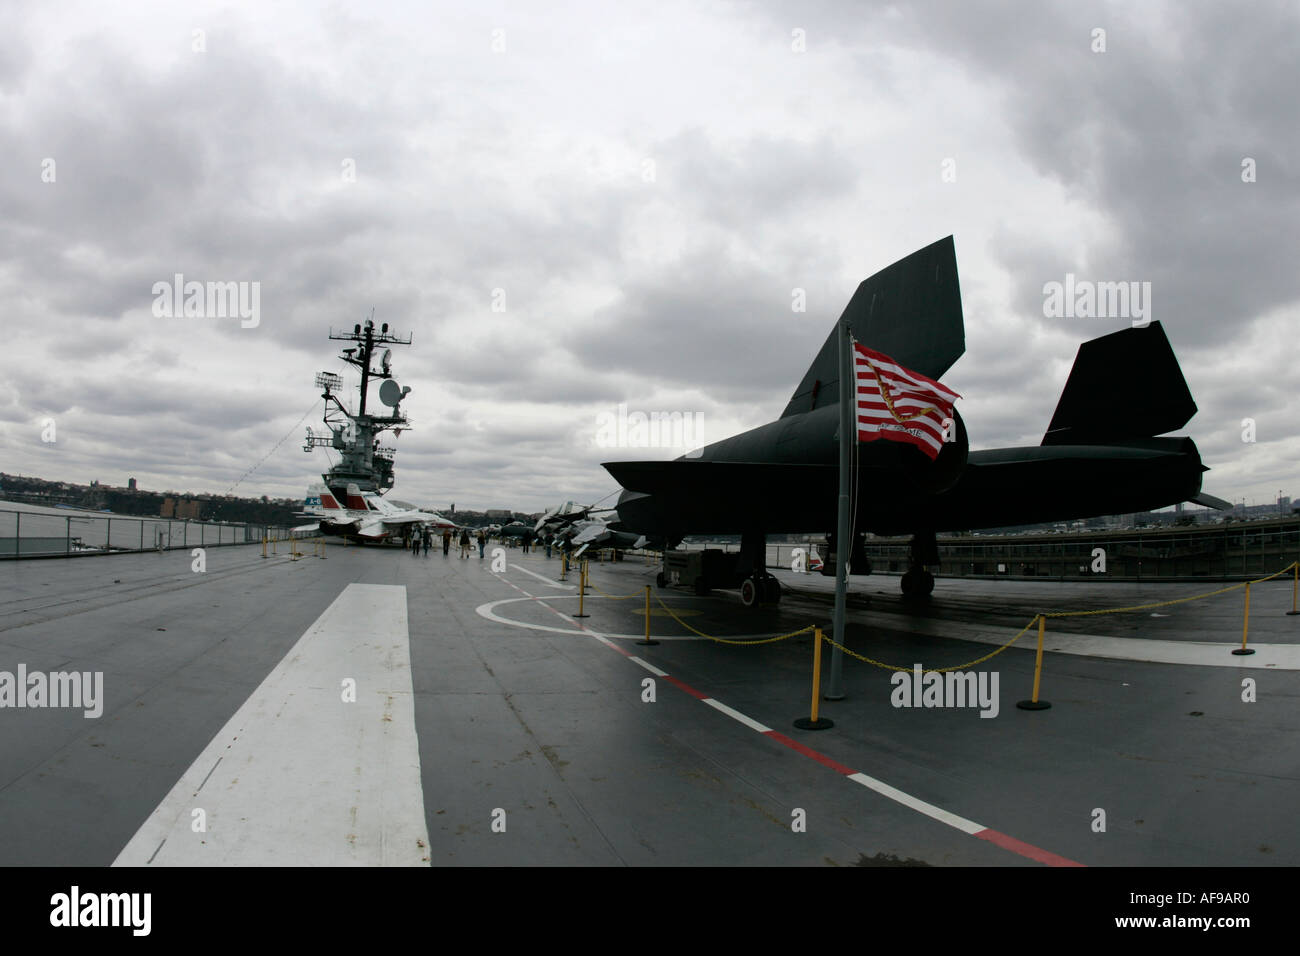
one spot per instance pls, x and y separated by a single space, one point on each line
423 537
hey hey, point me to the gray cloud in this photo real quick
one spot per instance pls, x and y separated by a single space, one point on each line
525 172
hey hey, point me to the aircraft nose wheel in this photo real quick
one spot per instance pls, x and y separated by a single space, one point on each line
917 583
755 590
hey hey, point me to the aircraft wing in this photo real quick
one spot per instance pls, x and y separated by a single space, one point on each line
396 522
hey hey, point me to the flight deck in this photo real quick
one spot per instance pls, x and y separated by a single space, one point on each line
372 707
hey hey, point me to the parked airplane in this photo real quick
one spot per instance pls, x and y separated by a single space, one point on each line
365 515
592 534
1099 456
559 519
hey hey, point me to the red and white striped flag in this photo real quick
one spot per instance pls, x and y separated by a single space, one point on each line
898 404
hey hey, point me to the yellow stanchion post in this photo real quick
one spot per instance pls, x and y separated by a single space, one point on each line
564 567
582 588
1245 628
647 642
274 539
1295 589
814 722
263 546
1034 703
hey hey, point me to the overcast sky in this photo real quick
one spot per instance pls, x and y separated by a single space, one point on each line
572 206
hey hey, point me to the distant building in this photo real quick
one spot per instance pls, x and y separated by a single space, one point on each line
130 484
180 508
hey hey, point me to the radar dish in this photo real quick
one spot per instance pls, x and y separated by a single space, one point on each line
390 393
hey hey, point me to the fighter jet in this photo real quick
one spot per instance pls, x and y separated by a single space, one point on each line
555 522
365 516
593 534
1100 454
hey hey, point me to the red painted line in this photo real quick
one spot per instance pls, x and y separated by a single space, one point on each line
1025 849
1008 843
822 759
684 686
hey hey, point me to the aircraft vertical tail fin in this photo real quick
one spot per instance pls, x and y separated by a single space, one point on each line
911 311
1123 386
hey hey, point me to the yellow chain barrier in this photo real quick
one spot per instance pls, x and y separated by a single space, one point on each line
723 640
1182 600
931 670
1294 565
614 597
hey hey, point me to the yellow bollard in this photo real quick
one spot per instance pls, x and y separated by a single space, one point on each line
815 722
582 588
264 546
1295 587
274 539
647 642
564 567
1034 703
1245 627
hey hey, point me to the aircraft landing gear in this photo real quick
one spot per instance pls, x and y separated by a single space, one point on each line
661 579
917 583
760 589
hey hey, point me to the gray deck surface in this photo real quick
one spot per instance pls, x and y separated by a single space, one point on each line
552 728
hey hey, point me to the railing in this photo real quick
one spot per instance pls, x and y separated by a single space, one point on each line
45 533
1231 551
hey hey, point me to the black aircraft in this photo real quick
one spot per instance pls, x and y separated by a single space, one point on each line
1099 456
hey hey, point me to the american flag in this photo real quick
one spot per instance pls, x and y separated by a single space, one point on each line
898 404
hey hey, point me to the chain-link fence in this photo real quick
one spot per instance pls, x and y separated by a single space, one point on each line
45 532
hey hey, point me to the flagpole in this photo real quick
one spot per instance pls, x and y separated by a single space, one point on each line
843 546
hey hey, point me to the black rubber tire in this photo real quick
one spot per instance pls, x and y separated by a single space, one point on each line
749 592
702 587
917 583
771 591
661 580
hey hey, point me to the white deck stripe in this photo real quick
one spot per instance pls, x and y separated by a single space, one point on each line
749 722
920 806
650 667
299 777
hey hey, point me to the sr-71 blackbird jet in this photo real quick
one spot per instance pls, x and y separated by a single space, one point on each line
1100 454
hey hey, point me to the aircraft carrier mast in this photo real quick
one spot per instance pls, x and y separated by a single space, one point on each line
362 461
